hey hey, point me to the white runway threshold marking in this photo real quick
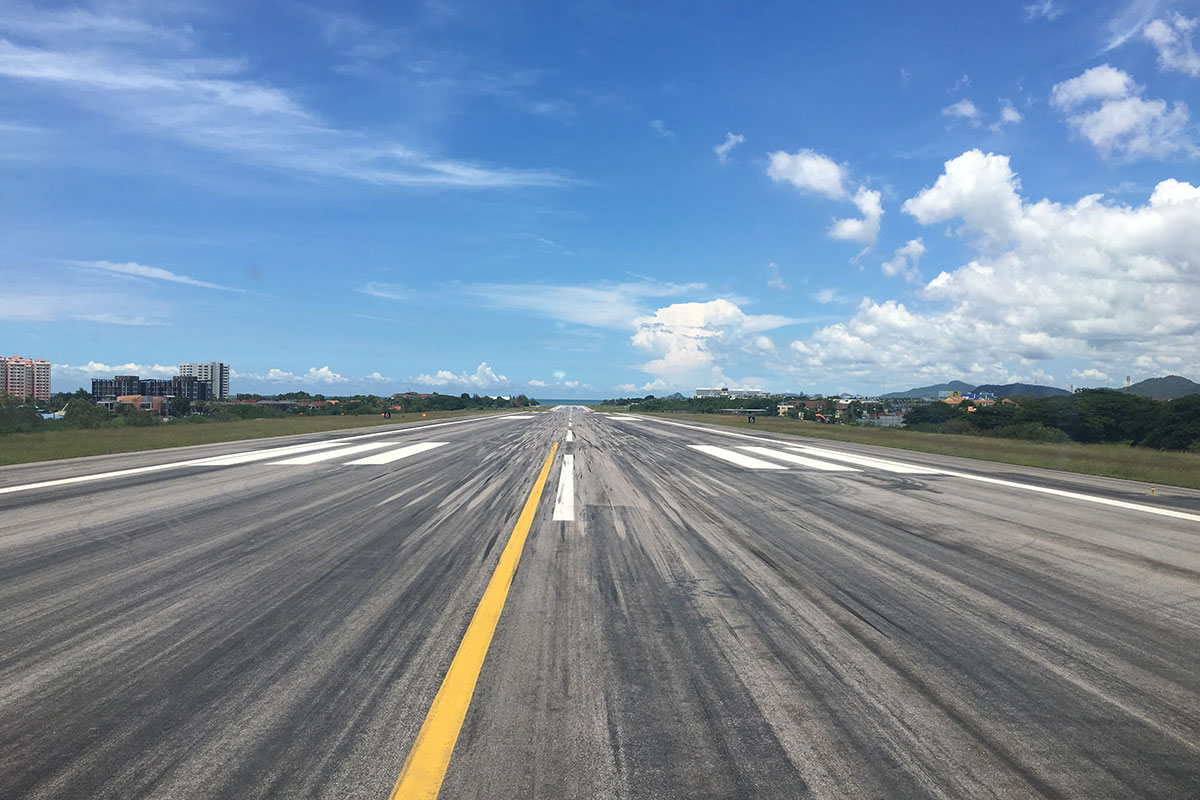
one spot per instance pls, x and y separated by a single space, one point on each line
868 461
1088 498
734 457
803 461
399 453
329 455
564 502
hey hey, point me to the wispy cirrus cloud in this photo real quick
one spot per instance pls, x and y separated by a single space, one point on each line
155 273
116 66
603 305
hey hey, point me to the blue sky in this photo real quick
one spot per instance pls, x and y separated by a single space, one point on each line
598 199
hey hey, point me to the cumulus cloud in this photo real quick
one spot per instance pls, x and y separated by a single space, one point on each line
1106 107
1111 285
483 377
68 373
690 340
808 171
1173 41
1008 115
539 384
904 261
732 140
963 109
322 376
863 230
660 127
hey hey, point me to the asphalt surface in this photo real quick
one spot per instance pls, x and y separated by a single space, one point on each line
701 628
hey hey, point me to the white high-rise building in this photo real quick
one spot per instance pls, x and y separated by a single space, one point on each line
212 371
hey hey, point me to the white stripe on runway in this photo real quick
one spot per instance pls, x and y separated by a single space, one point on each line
262 455
329 455
868 461
564 503
570 436
735 457
398 453
792 458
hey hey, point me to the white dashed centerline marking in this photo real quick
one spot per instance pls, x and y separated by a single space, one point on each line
399 453
734 457
564 503
570 436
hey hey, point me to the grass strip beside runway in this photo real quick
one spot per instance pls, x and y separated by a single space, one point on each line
1107 460
50 445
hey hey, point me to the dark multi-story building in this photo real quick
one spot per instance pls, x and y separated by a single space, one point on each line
107 390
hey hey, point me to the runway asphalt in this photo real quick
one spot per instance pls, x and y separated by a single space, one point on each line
692 612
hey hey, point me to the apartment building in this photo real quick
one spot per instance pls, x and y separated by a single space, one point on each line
25 377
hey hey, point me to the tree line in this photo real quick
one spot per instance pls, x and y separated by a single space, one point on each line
1089 416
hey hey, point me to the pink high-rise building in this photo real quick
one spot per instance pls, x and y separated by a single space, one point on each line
25 377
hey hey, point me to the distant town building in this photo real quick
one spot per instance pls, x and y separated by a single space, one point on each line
25 377
214 371
733 394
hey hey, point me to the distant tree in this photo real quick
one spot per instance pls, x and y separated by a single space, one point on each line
179 406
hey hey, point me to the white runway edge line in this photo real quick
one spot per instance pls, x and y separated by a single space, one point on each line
564 502
1087 498
803 461
399 453
242 458
735 457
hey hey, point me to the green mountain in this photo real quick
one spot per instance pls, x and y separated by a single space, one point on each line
1172 386
932 391
1014 389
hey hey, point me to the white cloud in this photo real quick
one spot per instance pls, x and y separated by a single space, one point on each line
387 291
377 377
1090 376
315 376
559 375
863 230
1124 125
963 109
539 384
808 170
827 296
904 261
732 140
660 127
1047 9
80 374
1173 41
1008 115
1104 82
1102 283
156 273
602 305
691 340
483 377
960 84
774 279
114 65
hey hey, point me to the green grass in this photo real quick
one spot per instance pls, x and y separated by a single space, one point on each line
1108 460
48 445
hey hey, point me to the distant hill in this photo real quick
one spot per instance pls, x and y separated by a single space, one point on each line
932 391
1014 389
1172 386
676 396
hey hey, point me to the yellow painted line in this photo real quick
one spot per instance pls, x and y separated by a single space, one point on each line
425 767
